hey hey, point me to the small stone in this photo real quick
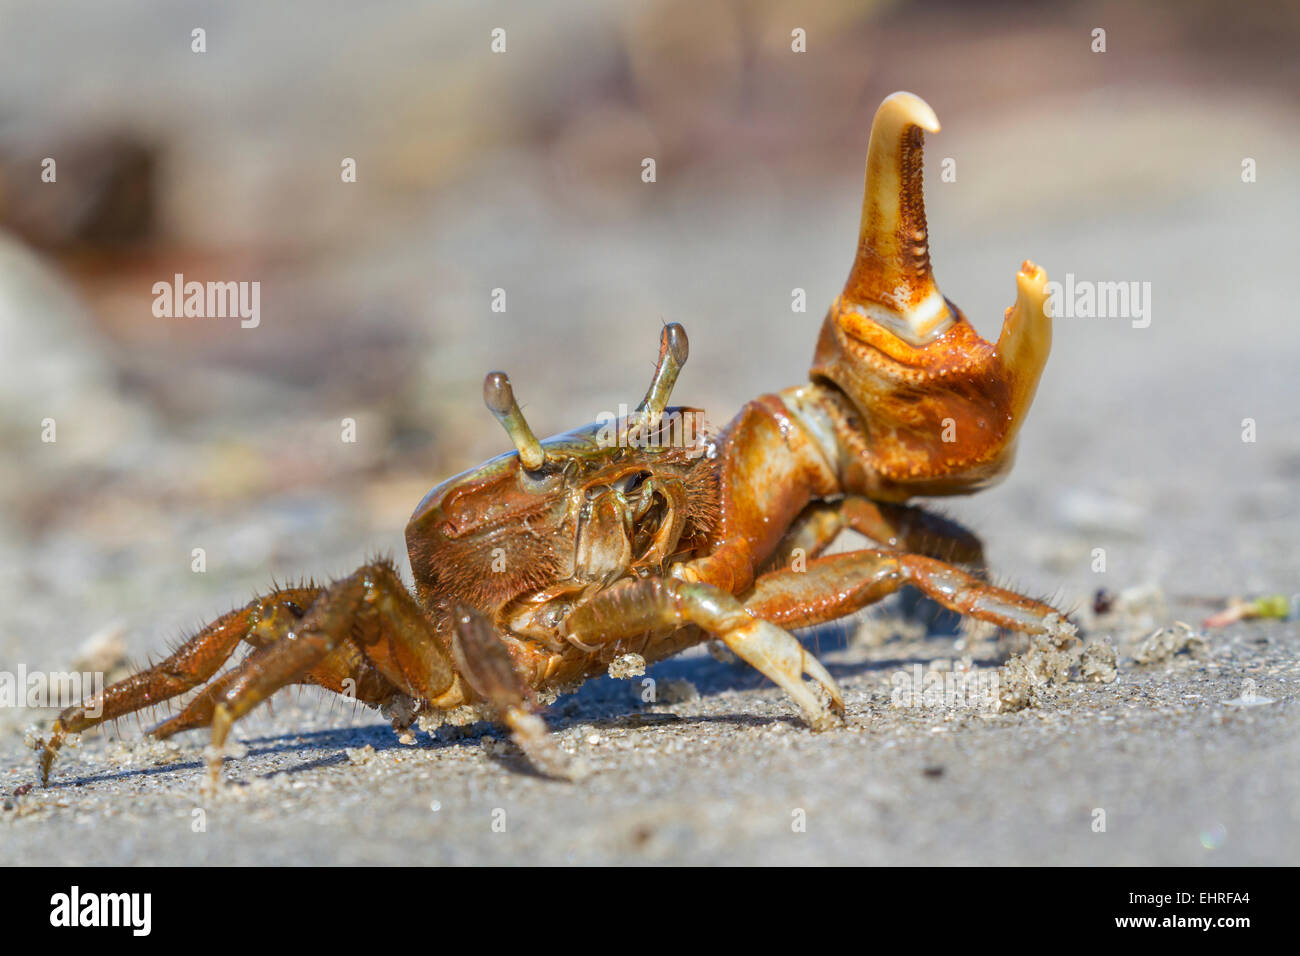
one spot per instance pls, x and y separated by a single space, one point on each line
360 755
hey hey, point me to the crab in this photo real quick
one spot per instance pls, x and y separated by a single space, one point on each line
641 535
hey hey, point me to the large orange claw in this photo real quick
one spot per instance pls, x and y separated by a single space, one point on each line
940 406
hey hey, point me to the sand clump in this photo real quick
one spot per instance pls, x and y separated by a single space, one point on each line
1033 677
1030 679
1165 643
627 666
457 717
1099 661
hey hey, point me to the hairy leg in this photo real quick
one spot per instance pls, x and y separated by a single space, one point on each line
344 665
189 666
366 627
891 526
370 607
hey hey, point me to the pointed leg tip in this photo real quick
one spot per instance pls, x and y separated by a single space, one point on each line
48 751
824 682
832 691
534 739
827 720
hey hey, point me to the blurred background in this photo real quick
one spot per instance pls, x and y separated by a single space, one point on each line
521 171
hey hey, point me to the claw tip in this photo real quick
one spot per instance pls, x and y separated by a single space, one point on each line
1032 271
913 109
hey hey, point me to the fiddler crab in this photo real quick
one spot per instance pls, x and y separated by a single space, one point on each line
537 569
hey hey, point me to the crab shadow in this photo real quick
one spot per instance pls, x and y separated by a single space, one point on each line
379 736
329 748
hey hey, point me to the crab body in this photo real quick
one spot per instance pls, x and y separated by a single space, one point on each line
525 547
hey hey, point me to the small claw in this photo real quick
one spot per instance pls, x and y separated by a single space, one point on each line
783 660
1026 337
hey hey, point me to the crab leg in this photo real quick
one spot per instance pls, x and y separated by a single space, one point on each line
366 627
634 607
367 686
190 665
901 527
483 659
840 584
770 466
370 607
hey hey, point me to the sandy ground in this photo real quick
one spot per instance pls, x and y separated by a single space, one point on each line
1134 446
1182 777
